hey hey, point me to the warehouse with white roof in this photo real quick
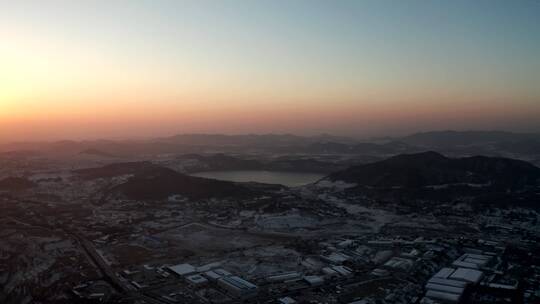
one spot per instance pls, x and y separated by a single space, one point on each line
448 284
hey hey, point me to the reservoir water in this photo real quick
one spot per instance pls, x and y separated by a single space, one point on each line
290 179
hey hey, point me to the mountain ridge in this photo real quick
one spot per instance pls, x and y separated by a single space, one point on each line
432 168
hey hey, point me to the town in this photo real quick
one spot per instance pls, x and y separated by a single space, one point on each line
71 238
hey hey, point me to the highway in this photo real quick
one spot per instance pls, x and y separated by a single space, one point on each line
109 273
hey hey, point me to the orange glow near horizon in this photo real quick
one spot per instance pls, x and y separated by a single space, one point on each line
131 69
134 120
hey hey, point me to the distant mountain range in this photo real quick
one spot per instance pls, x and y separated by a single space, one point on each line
217 162
524 146
254 140
449 139
223 162
96 152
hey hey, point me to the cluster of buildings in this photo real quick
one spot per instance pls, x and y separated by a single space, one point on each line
234 286
388 271
473 275
93 291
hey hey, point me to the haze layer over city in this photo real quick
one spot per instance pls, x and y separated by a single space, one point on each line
358 152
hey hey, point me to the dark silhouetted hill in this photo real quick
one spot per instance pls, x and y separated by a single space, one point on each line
431 168
149 181
419 179
157 183
113 170
96 152
15 184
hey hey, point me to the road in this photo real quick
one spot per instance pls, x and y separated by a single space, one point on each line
97 260
109 273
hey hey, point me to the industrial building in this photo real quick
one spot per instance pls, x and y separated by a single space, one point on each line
285 277
237 286
448 284
472 261
399 263
183 269
196 280
314 280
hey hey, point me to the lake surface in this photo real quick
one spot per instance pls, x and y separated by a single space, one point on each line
290 179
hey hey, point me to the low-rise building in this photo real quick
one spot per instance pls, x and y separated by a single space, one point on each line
282 277
182 269
314 280
196 280
238 287
286 300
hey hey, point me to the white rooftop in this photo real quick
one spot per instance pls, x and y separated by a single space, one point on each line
222 272
445 288
285 276
182 269
397 262
465 264
467 275
471 260
197 279
447 282
287 300
444 273
337 257
239 283
329 271
444 296
342 270
314 280
212 275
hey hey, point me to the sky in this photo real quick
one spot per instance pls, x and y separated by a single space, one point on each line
129 69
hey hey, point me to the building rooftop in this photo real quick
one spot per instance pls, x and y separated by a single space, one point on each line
239 283
467 275
472 260
444 296
401 263
342 270
445 288
465 264
287 300
222 272
196 279
212 275
182 269
336 257
444 273
284 276
314 280
447 282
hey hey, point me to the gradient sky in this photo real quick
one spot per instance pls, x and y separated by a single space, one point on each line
102 69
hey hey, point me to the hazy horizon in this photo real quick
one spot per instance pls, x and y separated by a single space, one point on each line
135 69
170 135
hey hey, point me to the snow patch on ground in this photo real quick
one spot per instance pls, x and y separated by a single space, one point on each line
444 186
378 217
